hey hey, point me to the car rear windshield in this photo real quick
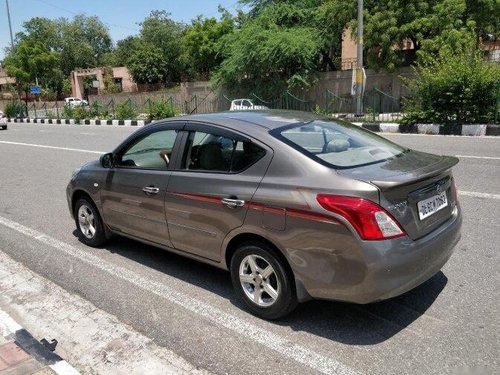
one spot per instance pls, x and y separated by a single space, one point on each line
338 144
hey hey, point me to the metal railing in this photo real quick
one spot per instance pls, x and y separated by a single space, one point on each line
379 106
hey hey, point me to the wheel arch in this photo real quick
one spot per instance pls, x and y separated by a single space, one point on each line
81 193
244 237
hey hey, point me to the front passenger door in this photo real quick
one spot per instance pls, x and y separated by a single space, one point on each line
134 192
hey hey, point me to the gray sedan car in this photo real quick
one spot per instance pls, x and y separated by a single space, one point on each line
294 205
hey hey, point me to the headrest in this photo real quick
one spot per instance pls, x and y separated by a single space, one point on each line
337 145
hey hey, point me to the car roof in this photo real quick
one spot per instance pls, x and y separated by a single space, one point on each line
268 119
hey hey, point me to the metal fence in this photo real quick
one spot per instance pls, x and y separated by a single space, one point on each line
379 106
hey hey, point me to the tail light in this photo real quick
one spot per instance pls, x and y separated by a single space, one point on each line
370 220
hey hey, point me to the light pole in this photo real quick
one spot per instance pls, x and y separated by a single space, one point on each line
359 63
12 50
10 26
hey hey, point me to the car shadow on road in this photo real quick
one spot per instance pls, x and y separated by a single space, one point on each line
366 324
342 322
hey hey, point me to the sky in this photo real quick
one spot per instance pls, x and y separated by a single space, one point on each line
120 16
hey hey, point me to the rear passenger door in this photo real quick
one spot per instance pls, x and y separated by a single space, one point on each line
208 194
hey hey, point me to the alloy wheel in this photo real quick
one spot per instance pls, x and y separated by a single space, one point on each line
86 221
259 281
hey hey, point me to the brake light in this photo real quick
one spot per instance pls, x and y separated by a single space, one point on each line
370 220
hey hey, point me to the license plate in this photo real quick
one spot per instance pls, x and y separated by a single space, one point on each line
431 205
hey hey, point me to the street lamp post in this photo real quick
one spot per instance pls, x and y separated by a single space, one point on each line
12 50
359 63
10 26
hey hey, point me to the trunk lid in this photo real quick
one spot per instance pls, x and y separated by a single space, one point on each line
411 183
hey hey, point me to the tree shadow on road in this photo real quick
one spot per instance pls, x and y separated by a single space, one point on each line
342 322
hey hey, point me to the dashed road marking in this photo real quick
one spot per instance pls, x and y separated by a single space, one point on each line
477 157
475 194
287 348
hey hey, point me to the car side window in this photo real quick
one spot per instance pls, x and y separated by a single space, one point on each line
153 151
211 152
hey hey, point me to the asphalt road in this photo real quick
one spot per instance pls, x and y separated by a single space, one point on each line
450 324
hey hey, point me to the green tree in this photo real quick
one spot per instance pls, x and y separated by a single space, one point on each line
279 48
147 65
201 51
43 31
486 17
125 48
85 41
163 35
61 45
429 25
32 63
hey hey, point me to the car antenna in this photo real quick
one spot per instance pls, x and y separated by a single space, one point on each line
197 105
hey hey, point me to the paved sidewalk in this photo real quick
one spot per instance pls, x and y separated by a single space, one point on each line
22 354
93 341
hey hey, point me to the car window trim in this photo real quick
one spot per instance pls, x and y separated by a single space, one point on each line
214 130
137 137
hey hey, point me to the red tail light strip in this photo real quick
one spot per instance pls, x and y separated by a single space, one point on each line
291 212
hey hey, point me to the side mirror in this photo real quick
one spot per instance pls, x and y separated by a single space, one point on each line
107 160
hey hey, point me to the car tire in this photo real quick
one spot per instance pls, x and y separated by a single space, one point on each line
89 223
262 280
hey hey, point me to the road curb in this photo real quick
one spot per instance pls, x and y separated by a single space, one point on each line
435 129
23 342
78 122
382 127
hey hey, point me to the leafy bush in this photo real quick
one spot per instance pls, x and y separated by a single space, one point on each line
416 117
14 109
454 88
320 111
76 113
125 111
80 113
95 110
159 109
68 112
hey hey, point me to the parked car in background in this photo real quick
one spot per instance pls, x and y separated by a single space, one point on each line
294 205
75 102
3 121
245 104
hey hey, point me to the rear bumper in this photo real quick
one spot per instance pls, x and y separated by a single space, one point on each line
386 269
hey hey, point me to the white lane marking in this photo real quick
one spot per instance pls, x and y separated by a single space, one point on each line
477 157
64 368
53 147
476 194
286 348
8 325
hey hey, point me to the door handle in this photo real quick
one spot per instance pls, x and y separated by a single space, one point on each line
233 203
150 190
